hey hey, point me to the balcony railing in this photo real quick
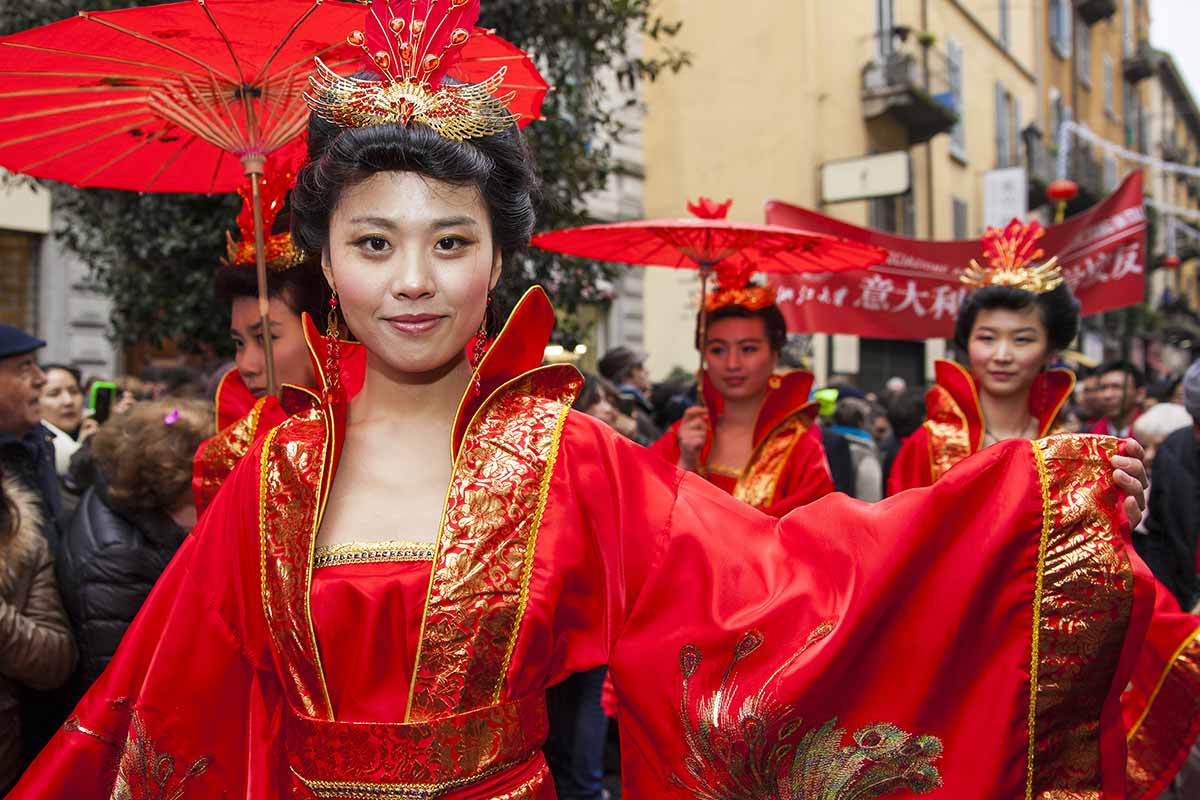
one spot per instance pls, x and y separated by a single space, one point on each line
897 88
1093 11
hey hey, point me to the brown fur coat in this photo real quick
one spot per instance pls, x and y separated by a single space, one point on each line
36 646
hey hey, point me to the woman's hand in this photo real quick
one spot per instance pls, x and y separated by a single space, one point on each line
1130 477
693 433
87 428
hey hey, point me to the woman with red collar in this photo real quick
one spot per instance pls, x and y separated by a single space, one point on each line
1011 327
764 448
245 407
1018 317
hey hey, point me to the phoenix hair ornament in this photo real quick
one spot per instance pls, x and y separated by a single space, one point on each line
735 289
413 44
1011 254
281 251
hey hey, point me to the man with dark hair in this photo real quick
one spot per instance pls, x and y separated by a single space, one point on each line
1173 515
626 369
26 446
1122 391
906 413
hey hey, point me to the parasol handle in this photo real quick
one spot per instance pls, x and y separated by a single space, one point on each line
254 165
706 270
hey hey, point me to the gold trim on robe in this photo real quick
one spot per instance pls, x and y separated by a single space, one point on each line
1166 723
759 483
481 574
1085 580
294 462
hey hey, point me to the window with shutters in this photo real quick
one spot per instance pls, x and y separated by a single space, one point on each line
954 70
960 212
1060 27
1003 27
1083 54
1004 148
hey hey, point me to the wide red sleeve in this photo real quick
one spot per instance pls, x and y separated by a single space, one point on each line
912 468
186 708
975 634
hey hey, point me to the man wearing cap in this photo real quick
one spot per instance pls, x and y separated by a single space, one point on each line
1173 519
26 447
626 368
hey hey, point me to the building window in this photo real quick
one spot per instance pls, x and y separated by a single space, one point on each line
1083 54
960 218
1110 93
885 25
1003 7
1004 127
1060 113
1110 171
1128 28
1060 27
954 69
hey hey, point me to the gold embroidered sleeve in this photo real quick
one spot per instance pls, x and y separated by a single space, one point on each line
1082 606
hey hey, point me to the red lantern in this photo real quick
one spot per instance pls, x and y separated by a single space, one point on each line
1170 262
1063 190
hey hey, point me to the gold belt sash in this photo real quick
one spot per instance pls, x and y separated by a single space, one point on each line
415 760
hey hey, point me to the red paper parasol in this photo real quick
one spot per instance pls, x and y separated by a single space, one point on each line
710 243
172 98
192 96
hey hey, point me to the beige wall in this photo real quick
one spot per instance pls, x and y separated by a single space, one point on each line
772 96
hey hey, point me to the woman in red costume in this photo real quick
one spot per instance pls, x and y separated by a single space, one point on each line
376 601
764 448
245 407
1011 327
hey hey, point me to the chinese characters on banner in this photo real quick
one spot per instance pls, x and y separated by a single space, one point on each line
916 293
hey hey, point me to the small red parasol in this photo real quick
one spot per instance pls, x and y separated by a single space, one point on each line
710 243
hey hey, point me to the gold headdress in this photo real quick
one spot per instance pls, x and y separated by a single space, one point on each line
1010 255
281 252
413 44
735 289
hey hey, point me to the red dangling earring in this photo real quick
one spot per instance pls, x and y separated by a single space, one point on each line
333 353
479 348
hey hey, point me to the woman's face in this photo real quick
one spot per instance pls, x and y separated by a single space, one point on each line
412 260
1007 350
738 357
293 365
62 400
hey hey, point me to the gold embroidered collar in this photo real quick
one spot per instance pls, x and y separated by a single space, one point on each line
371 553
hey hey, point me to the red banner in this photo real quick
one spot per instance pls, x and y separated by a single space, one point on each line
916 293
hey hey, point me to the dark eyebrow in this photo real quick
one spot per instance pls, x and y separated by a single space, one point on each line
445 222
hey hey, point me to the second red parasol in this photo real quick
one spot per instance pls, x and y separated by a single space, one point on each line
712 244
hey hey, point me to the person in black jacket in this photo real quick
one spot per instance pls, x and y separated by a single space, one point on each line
129 524
1169 548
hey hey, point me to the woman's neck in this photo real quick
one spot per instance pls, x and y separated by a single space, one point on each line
405 399
742 412
1005 417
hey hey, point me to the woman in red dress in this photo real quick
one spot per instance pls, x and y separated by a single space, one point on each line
376 602
245 408
755 437
1011 331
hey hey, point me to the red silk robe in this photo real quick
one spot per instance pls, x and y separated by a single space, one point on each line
1161 708
787 466
753 657
242 419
